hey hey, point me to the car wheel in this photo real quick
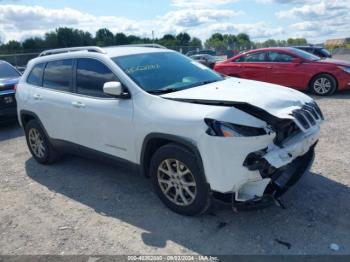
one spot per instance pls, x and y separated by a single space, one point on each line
38 143
179 180
324 85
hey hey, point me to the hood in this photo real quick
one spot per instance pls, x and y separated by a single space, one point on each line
277 100
334 62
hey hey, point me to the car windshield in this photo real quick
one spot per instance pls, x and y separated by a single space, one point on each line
165 72
325 52
7 71
305 54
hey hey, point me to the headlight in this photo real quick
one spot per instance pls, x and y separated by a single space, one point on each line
224 129
345 69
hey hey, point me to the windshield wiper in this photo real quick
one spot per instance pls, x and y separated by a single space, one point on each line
164 91
172 89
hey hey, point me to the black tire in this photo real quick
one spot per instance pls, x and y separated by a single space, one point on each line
49 154
201 200
315 85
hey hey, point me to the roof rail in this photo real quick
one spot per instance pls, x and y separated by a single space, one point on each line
72 49
143 45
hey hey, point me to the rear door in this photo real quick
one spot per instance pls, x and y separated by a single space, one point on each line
51 90
283 71
104 123
252 66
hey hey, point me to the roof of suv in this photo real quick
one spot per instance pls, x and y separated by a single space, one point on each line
131 50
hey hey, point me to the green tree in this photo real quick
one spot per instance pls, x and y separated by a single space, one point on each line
121 39
33 44
183 39
104 37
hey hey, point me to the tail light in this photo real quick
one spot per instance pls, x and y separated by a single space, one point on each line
15 87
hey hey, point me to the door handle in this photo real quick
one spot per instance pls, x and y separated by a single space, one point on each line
37 97
269 67
78 104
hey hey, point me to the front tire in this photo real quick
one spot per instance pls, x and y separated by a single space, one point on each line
38 143
179 181
323 85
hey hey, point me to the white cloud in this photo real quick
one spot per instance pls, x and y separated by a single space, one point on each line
193 17
200 3
19 21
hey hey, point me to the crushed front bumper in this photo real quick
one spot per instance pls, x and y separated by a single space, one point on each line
281 181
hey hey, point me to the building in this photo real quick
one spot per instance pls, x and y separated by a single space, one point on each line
337 42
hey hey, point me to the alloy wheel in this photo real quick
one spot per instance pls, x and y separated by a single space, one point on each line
322 85
177 182
36 143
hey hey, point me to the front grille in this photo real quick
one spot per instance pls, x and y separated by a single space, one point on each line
308 115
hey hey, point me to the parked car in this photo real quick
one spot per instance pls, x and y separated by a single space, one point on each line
290 67
20 69
201 52
206 60
193 132
8 79
316 50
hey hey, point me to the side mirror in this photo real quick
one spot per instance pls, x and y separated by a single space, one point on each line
297 60
114 89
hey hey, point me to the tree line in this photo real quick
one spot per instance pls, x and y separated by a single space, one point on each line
69 37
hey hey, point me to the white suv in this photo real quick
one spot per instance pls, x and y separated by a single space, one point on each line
194 132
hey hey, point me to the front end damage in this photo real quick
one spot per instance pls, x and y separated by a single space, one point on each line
257 170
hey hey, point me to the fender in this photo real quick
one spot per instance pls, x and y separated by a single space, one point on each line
144 158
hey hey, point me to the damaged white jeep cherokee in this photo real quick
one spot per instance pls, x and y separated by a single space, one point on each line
194 132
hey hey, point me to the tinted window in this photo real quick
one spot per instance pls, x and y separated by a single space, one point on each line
7 71
35 76
280 57
253 57
58 75
91 76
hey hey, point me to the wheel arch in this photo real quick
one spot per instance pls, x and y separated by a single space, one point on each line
26 116
323 73
154 141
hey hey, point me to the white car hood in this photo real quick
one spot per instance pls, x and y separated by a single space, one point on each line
277 100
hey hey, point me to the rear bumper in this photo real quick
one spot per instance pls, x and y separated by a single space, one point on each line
8 114
8 106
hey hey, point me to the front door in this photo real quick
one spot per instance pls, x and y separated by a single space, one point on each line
104 123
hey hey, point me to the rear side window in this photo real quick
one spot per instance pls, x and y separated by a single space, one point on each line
58 75
91 76
253 57
35 76
280 57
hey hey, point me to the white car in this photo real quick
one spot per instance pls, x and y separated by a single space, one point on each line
194 132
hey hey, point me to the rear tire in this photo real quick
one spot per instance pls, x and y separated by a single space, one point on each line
323 85
179 181
39 144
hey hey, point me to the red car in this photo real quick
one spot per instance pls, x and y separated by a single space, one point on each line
289 67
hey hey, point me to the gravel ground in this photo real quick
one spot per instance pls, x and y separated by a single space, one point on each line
79 206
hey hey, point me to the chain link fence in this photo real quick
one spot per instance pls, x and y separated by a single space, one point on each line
21 59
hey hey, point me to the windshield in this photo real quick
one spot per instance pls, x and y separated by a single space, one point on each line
305 54
325 52
165 71
7 71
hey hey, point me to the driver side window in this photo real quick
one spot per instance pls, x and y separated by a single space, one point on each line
91 76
